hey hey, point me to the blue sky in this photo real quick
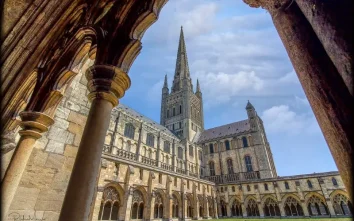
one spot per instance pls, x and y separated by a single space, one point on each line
236 54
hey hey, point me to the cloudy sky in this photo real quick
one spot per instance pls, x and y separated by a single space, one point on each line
236 54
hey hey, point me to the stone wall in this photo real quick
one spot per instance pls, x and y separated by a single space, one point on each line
43 184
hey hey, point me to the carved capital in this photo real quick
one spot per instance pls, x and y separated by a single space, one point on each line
34 124
269 5
107 82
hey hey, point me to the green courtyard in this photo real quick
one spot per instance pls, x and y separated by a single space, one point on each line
286 219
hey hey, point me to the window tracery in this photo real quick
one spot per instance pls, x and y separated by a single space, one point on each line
271 207
252 208
292 207
342 205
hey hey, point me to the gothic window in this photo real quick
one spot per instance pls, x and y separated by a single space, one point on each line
236 208
110 205
265 186
230 168
173 126
175 206
141 173
309 184
150 140
341 205
271 208
174 111
187 184
252 208
221 189
200 155
244 141
248 188
316 206
175 181
227 145
180 109
292 207
180 125
168 113
223 208
286 185
129 130
211 148
160 178
180 152
166 147
189 208
248 163
233 189
334 181
212 168
137 205
191 151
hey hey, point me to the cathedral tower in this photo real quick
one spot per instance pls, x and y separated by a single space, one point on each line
182 109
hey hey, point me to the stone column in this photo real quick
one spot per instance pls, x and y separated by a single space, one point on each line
216 216
228 210
281 208
33 124
152 206
330 207
106 85
169 199
332 21
260 209
244 211
325 89
138 148
304 208
124 212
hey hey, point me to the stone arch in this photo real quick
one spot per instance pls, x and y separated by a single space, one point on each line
251 206
190 205
270 206
160 201
176 205
341 203
236 206
111 202
292 205
139 201
316 204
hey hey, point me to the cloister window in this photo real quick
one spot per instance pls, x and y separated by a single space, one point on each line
175 182
150 140
189 208
292 207
245 141
248 188
175 207
227 145
334 181
200 155
129 130
158 208
137 210
265 186
180 109
341 205
223 208
168 113
233 189
309 184
141 173
252 208
180 152
191 151
211 148
271 207
160 178
286 185
212 168
236 208
110 205
174 111
211 207
248 163
166 146
316 206
230 167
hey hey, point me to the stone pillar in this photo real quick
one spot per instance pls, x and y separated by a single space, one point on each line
281 208
33 124
330 207
124 212
332 21
106 85
169 199
325 89
152 206
158 152
304 208
244 211
216 216
260 209
138 148
228 210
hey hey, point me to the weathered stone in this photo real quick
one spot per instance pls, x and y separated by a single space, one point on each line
55 147
41 143
72 106
38 157
70 151
51 216
62 112
55 161
61 123
25 198
37 177
58 134
77 118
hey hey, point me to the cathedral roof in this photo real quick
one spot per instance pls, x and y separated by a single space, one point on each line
145 119
224 131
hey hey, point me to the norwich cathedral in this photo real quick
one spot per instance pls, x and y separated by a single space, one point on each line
71 151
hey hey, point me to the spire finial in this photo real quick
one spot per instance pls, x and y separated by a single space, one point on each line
249 105
198 86
165 83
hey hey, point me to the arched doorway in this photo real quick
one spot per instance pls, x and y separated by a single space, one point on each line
137 209
292 207
236 208
110 205
271 207
252 208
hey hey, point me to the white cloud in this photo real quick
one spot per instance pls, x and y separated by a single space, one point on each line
280 119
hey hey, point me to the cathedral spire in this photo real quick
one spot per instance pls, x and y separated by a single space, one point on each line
198 87
249 106
182 69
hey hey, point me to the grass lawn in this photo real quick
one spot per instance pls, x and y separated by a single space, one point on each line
284 219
